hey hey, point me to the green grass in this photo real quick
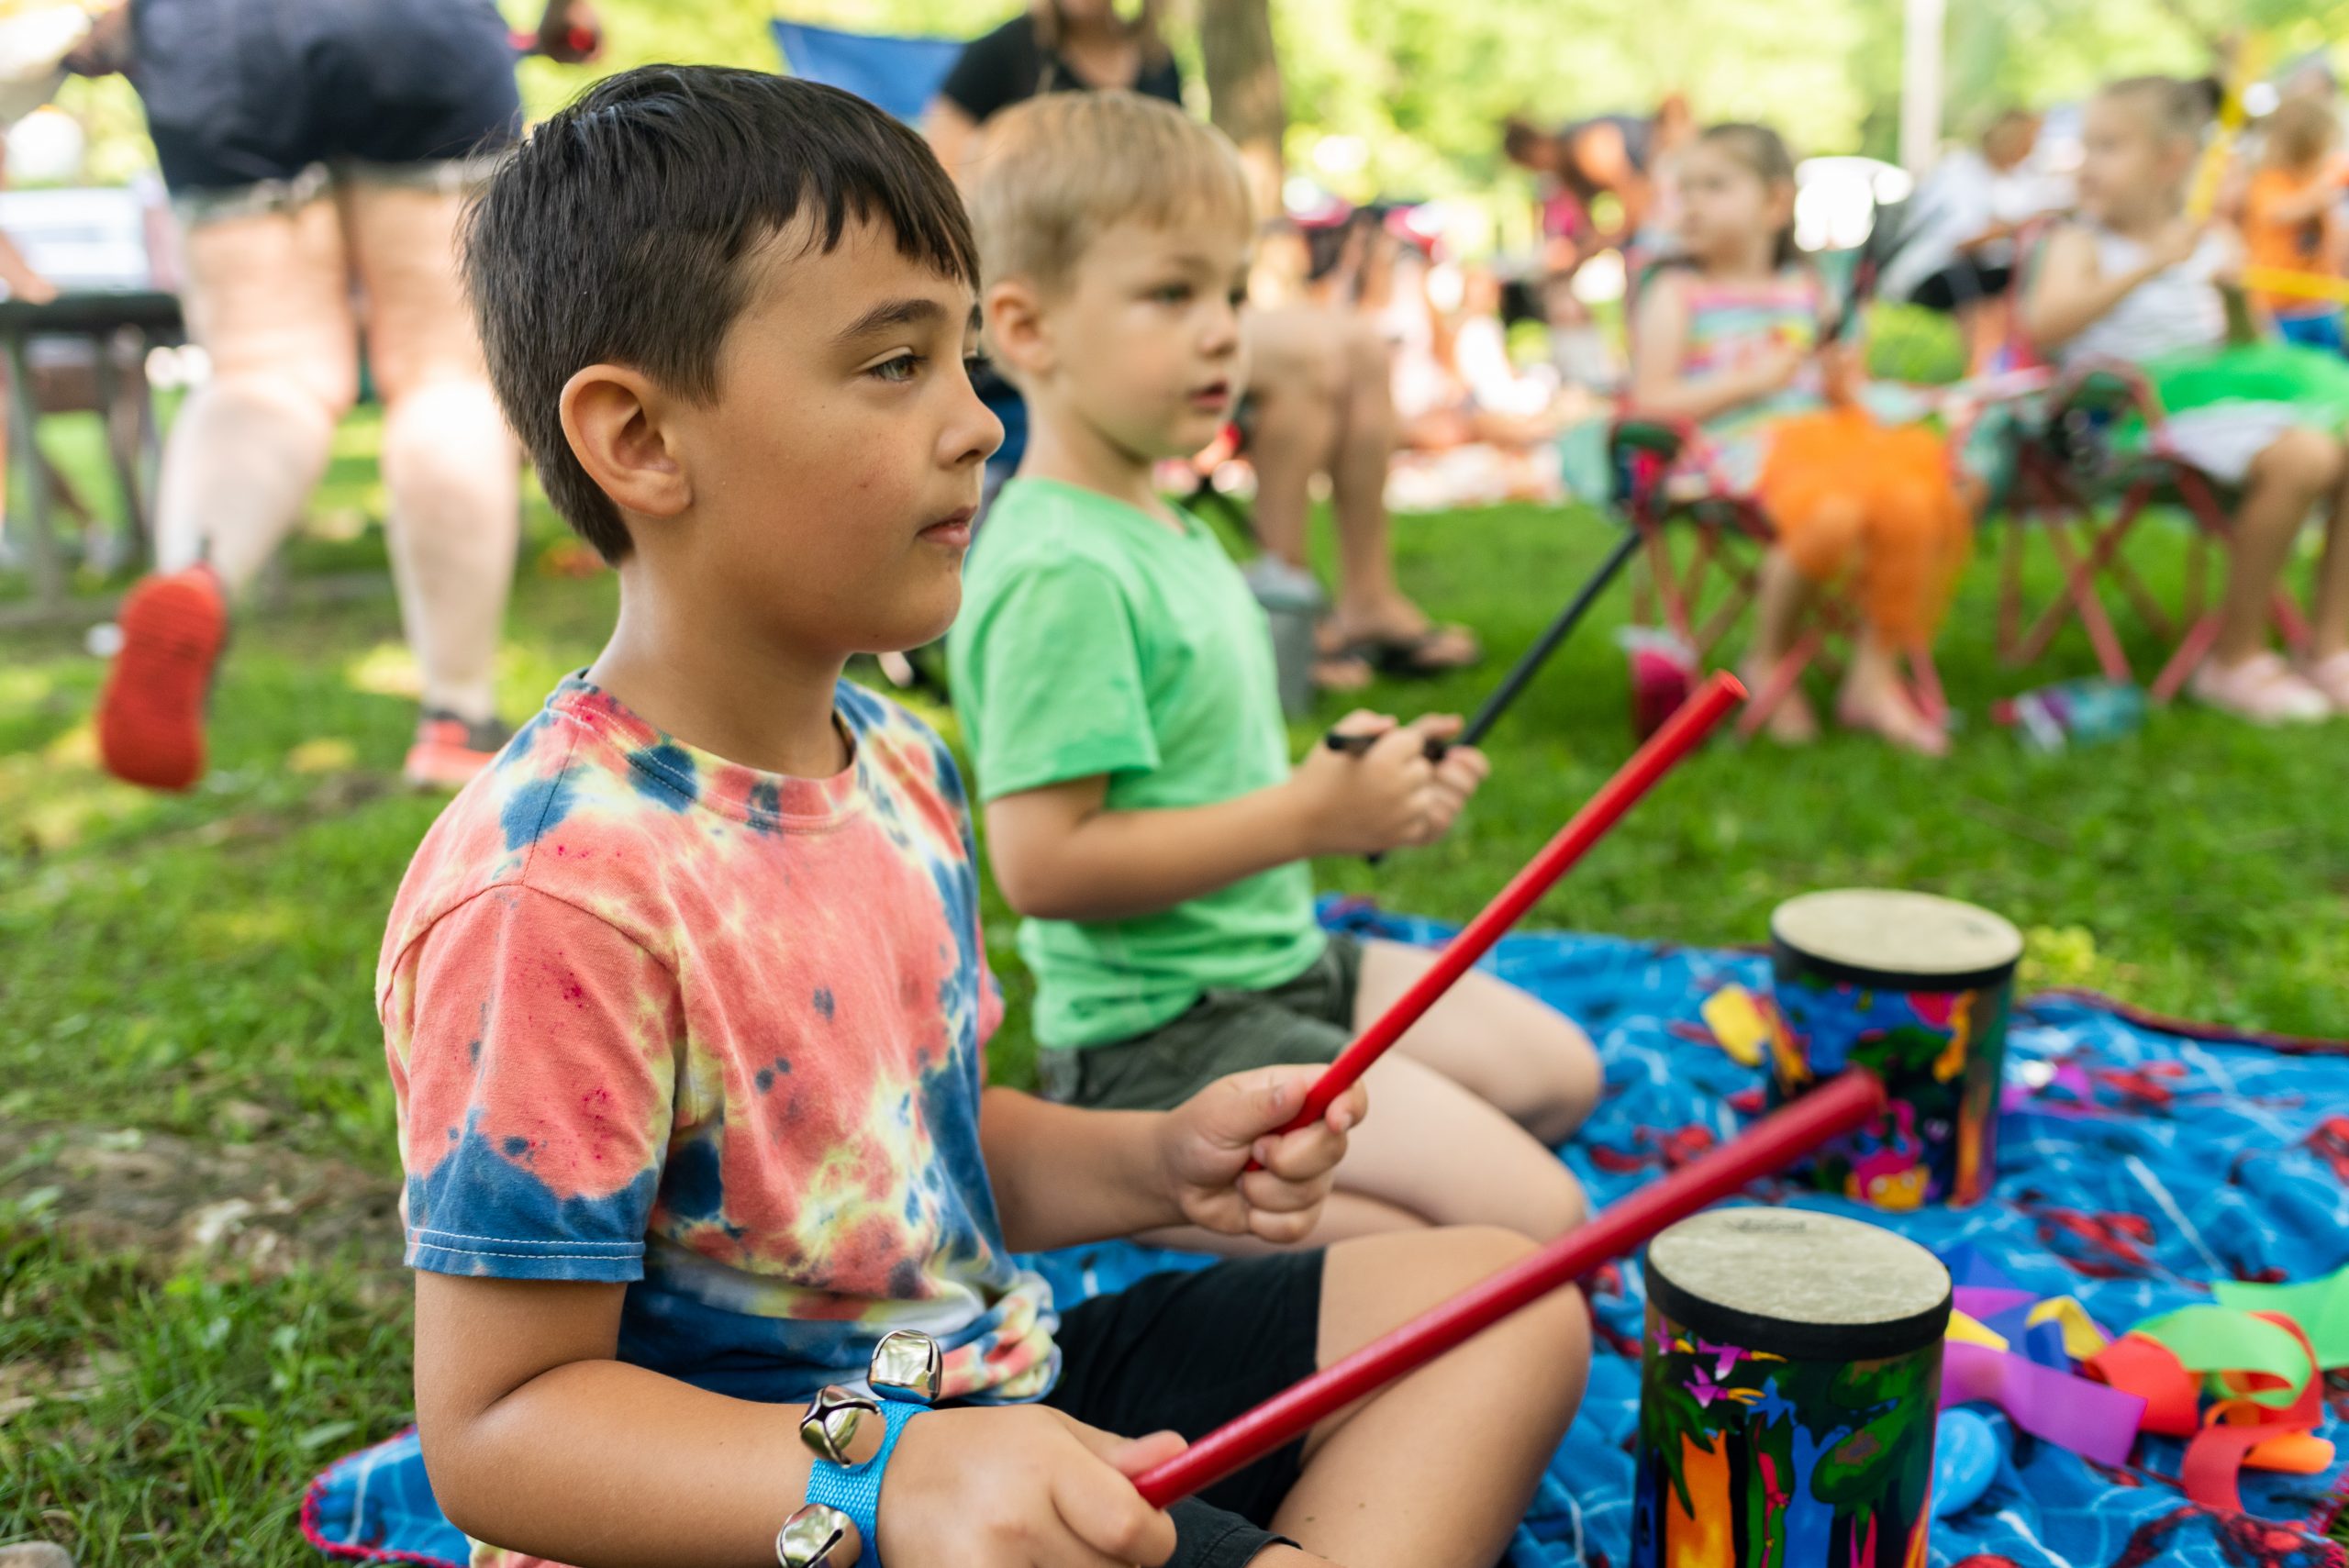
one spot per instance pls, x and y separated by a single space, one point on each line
169 965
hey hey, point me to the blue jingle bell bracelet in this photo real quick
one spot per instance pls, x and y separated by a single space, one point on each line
851 1436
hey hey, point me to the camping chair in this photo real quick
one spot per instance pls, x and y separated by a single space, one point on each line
901 74
1659 483
2086 501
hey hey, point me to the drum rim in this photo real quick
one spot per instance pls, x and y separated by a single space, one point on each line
1790 963
1789 959
1792 1338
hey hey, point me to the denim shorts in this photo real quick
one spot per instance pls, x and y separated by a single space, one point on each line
252 103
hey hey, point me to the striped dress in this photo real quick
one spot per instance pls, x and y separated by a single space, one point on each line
1861 497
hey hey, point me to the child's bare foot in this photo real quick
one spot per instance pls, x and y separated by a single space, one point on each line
1881 706
2330 675
2261 688
1792 722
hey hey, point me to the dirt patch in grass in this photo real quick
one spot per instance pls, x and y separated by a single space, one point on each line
172 1202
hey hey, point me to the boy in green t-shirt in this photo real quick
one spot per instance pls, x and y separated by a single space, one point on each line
1114 682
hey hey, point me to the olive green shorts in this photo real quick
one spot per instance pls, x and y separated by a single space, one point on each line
1305 1022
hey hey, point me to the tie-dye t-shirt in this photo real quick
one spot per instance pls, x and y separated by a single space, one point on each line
658 1020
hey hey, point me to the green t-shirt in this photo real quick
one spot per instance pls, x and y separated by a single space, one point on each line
1094 640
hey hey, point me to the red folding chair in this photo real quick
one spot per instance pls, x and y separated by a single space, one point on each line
2073 489
1700 590
1699 587
2086 500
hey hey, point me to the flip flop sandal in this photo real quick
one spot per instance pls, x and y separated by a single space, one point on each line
1410 656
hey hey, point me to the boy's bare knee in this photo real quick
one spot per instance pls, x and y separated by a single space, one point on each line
1564 1206
1466 1253
1568 1081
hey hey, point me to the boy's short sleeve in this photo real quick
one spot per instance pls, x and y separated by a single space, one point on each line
534 1055
1056 682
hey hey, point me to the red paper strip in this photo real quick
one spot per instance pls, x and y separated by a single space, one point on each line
2135 1364
2212 1475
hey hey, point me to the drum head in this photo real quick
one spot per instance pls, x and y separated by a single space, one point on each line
1806 1285
1899 940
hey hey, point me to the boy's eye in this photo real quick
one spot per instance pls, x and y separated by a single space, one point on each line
1172 294
1239 297
901 368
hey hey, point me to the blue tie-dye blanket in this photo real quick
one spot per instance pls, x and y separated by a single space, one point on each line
2202 1160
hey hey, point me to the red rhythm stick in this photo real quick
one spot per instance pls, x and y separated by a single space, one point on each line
1690 723
1843 1104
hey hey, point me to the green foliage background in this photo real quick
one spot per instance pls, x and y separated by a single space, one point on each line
1423 82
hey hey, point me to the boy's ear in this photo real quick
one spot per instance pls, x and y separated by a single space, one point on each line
1016 334
612 418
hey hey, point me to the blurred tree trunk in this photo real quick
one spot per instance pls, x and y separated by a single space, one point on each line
1244 90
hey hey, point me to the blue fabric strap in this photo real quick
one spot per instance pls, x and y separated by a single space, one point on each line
856 1490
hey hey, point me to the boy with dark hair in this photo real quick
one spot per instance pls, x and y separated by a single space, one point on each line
686 999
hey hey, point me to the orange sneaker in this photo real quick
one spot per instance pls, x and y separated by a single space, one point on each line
151 716
450 751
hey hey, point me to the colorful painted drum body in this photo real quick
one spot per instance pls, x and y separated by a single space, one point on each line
1918 988
1788 1387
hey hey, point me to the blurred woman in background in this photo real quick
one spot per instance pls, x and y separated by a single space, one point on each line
314 152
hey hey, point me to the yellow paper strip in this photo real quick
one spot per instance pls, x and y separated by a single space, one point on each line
1736 1021
2081 1338
1968 1331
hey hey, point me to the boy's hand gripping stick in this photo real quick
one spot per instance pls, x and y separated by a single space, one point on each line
1841 1106
1689 724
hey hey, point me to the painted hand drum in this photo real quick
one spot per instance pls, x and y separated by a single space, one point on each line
1917 988
1788 1389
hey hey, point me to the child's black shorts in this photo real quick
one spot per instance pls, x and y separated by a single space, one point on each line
1186 1352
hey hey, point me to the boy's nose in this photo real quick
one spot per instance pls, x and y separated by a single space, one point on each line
975 434
1222 336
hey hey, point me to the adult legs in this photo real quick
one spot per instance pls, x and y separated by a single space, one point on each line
1325 404
449 460
269 300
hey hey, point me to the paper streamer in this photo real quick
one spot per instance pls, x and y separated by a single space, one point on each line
1967 1330
2082 1337
2211 1471
2151 1370
1986 1302
1970 1269
2320 1307
1736 1020
2090 1419
2212 1340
